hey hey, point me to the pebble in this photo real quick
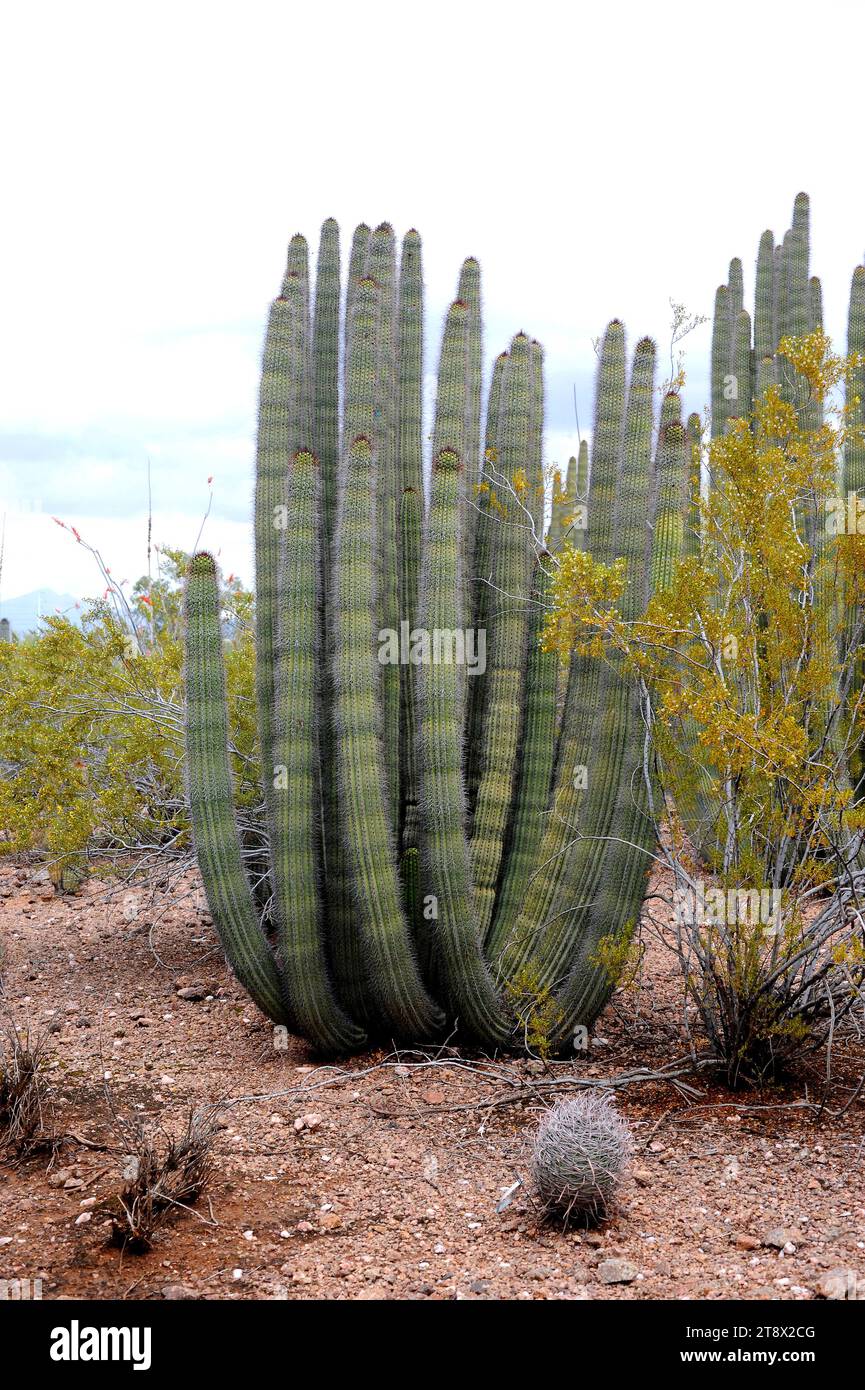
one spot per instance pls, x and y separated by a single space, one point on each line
841 1283
617 1272
84 1218
177 1291
781 1236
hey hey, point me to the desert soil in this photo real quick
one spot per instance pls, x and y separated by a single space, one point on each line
380 1178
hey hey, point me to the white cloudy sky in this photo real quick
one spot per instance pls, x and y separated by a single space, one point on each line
157 157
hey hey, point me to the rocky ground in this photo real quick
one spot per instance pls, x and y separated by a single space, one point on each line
381 1178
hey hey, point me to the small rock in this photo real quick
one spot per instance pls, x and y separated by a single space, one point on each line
402 1070
742 1241
175 1292
72 1183
841 1283
312 1121
329 1221
617 1272
84 1218
434 1097
305 1227
642 1177
780 1236
192 993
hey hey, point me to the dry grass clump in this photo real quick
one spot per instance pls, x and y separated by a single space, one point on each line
162 1176
26 1112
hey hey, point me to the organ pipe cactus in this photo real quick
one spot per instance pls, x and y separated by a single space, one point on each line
420 775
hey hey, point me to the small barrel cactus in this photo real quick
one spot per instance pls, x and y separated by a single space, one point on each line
580 1153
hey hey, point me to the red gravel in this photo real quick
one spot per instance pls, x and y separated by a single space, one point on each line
392 1191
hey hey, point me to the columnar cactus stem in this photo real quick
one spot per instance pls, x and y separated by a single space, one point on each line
854 448
283 428
294 826
693 525
765 337
782 286
721 347
558 509
536 496
508 637
325 359
853 466
393 977
358 262
576 528
736 288
469 291
669 505
211 803
815 305
297 272
480 580
537 749
410 465
609 759
550 890
451 417
613 886
361 373
411 527
447 874
740 368
383 271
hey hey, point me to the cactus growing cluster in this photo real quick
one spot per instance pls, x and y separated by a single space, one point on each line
455 819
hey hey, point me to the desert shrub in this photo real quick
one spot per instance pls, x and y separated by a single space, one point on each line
751 660
91 726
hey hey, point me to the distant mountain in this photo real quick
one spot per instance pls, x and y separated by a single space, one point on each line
25 611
